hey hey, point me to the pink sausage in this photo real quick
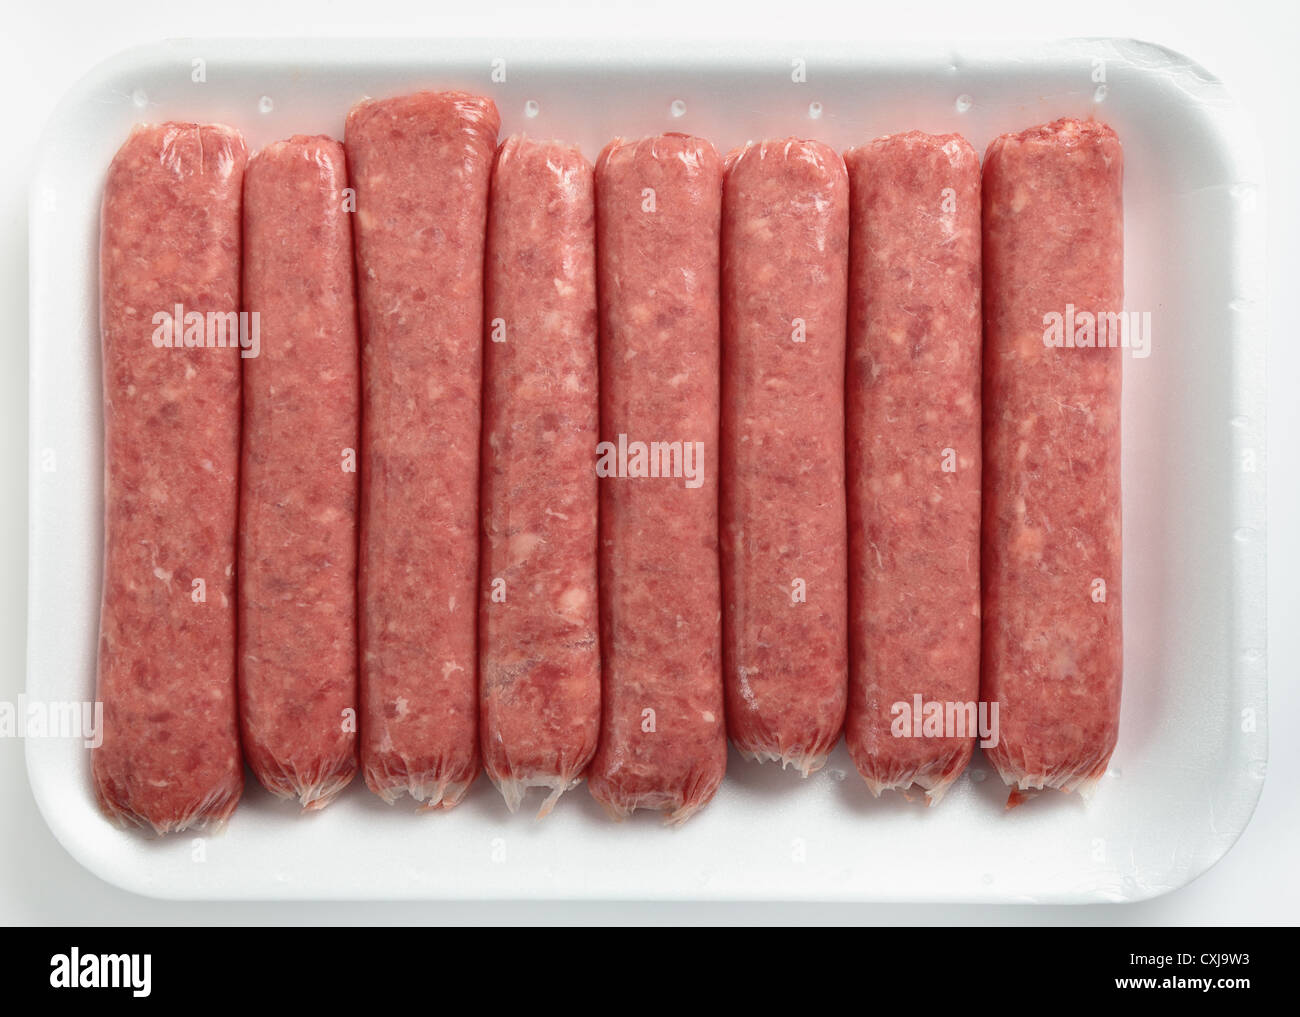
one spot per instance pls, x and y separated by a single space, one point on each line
785 248
166 677
539 655
298 486
421 166
1053 652
663 737
914 460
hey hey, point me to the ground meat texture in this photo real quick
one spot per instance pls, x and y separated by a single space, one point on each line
539 655
421 166
1053 236
166 676
785 251
663 737
914 457
298 487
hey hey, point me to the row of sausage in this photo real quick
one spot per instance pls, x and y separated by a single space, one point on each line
426 455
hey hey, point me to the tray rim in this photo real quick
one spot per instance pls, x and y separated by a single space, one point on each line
1180 72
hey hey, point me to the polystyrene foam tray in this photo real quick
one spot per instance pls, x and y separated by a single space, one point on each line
1192 746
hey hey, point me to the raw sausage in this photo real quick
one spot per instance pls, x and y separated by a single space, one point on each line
914 460
539 655
169 286
298 485
785 239
1053 247
663 737
421 166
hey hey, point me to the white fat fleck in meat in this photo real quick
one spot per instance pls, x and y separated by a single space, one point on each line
743 683
522 545
572 601
760 228
641 313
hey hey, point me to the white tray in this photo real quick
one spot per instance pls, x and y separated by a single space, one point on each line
1193 743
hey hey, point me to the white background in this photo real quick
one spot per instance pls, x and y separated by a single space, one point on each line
1250 44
